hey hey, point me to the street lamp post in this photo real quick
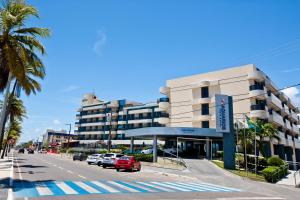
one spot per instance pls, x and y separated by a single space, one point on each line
108 116
70 126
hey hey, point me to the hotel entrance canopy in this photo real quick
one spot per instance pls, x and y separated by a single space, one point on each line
166 132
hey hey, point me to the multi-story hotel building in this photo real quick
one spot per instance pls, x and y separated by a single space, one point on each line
96 119
192 104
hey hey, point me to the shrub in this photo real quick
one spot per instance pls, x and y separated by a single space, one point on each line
143 157
274 173
103 151
269 173
275 161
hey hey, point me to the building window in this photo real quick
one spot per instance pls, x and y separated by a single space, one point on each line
205 109
205 124
204 92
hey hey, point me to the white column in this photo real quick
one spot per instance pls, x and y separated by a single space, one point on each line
154 148
131 144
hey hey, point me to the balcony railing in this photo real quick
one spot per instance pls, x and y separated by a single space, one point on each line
163 99
258 107
256 87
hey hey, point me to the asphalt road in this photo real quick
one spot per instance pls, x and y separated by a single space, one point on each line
41 176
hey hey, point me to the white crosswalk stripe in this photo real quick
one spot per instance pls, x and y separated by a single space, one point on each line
65 188
106 187
200 187
86 187
123 186
214 189
156 186
43 189
173 187
186 186
141 187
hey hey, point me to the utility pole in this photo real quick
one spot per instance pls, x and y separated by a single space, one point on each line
108 116
70 127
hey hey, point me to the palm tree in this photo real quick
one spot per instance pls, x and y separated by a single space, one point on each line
16 111
265 131
13 132
18 46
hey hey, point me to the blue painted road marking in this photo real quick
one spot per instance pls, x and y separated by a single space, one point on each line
62 188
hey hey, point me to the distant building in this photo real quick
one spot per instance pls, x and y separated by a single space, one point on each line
97 118
56 138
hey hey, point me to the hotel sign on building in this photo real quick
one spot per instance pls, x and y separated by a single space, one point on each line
222 114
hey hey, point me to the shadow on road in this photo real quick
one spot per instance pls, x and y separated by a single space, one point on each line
33 166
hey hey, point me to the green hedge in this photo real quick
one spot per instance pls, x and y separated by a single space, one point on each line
275 161
143 157
274 173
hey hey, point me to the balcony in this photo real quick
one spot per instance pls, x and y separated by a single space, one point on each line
164 90
274 102
282 139
92 115
276 119
162 120
257 91
92 124
295 129
288 125
285 110
259 111
294 117
256 75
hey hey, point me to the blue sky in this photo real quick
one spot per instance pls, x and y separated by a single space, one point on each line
129 48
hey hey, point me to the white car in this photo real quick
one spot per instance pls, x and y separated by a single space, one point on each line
94 158
147 151
172 150
109 159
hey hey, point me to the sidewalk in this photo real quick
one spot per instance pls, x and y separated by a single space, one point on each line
6 171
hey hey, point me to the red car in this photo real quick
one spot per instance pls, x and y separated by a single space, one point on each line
128 163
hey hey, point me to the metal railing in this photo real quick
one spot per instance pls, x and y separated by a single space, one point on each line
174 158
297 173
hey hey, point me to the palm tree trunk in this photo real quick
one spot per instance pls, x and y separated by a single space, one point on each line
4 151
6 108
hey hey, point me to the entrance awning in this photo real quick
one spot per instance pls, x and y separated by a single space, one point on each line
172 132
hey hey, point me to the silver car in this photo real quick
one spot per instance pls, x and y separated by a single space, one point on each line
109 159
94 158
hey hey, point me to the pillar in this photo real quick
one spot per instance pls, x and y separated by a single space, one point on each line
208 148
131 144
154 148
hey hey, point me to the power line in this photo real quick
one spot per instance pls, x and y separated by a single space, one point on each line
296 85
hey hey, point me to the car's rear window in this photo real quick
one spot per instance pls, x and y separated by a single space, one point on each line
125 158
108 155
119 155
95 155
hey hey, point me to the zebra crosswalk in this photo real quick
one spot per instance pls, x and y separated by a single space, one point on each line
61 188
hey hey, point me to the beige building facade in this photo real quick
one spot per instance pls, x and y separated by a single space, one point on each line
192 104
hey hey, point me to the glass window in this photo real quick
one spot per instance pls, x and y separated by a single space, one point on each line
205 109
205 124
204 92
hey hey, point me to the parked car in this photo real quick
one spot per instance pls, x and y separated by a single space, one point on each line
21 151
79 156
172 150
94 159
147 151
30 151
109 159
128 163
